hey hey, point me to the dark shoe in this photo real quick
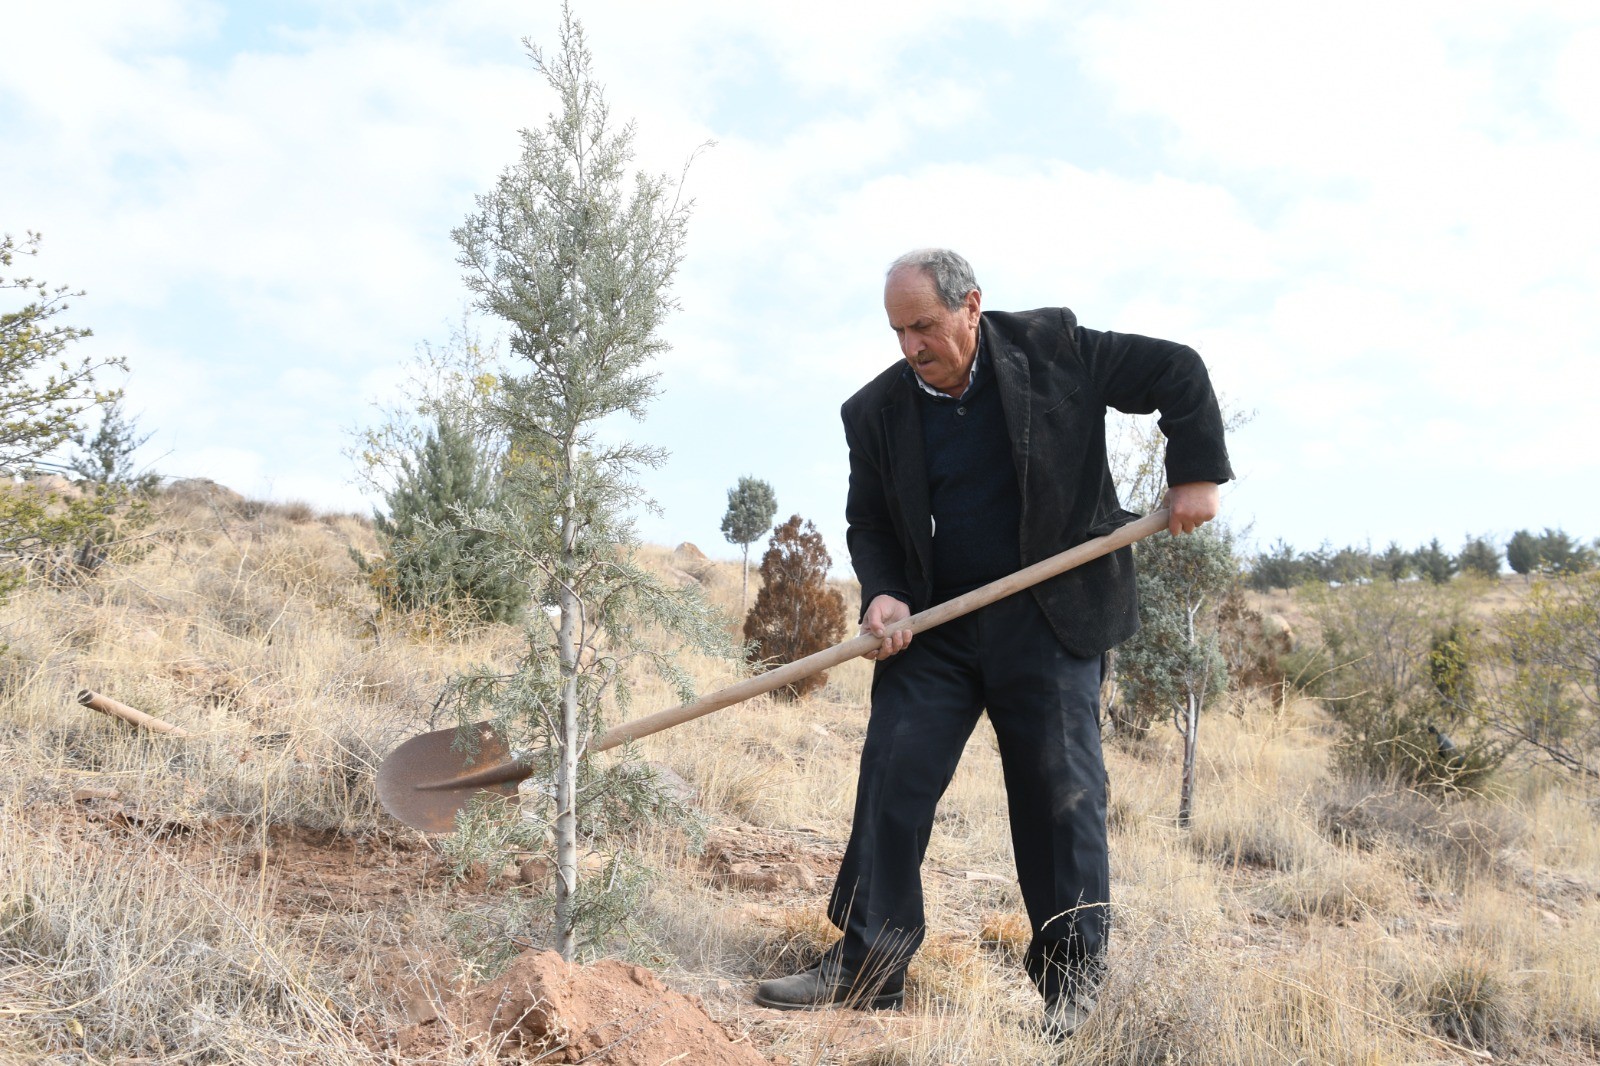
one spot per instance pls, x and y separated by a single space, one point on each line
1066 1014
828 984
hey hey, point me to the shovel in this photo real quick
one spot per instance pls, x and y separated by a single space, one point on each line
428 780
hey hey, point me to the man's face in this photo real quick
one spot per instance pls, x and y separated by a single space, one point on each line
938 343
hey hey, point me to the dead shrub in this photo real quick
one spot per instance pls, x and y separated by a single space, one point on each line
1339 887
297 511
796 612
1466 1000
1252 645
1007 934
1442 839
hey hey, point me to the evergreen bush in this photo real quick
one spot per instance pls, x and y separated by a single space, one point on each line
434 559
1402 661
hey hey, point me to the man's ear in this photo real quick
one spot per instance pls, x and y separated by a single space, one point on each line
974 302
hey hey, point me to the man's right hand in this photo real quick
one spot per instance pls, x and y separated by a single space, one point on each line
883 612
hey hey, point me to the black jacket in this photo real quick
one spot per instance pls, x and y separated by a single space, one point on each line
1056 380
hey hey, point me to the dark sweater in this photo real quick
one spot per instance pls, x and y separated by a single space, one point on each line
972 486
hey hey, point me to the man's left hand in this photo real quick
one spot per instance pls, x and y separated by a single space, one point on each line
1192 504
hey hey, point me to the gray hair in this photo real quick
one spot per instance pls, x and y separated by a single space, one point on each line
951 274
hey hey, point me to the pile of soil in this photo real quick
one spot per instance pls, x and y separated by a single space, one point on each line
546 1010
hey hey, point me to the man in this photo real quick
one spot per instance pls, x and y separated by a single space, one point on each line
983 452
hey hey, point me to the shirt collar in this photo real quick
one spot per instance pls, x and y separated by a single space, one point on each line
979 358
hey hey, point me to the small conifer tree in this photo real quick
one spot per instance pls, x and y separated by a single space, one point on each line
1479 556
751 505
1522 553
1559 553
107 457
796 613
1396 563
1174 664
435 558
1434 563
45 392
575 251
1278 567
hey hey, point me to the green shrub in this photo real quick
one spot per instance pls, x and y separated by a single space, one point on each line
1401 660
434 558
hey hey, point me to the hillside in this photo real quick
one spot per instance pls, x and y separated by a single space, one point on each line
237 895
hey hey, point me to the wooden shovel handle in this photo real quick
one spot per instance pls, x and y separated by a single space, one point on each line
106 705
856 646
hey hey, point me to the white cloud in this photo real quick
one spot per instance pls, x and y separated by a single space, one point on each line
1376 222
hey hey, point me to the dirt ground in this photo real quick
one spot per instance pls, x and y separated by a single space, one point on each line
541 1009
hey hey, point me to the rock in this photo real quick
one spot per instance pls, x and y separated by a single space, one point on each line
673 784
204 491
769 876
689 553
56 485
1278 632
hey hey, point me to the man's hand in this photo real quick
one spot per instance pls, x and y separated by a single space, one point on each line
882 612
1192 504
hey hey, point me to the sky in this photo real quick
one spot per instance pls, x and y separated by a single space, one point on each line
1377 222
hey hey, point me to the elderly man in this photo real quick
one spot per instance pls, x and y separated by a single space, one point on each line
983 452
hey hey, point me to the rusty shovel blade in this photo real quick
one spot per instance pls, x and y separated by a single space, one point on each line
429 779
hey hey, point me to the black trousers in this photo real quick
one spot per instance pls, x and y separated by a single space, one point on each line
1044 704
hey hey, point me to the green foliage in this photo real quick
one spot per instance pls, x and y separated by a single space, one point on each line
1349 565
1176 652
1400 660
1560 554
575 253
1395 563
751 505
1278 568
107 457
1552 552
796 613
1479 556
1434 563
59 535
1450 667
44 393
1544 693
1522 552
455 382
434 559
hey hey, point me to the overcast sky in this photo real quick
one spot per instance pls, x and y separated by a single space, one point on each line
1377 222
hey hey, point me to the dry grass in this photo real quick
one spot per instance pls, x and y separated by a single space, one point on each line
136 956
1301 919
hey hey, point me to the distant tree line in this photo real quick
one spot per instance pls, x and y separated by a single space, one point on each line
1550 552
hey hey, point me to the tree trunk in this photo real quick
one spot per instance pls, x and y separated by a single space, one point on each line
567 748
744 589
1191 728
1186 791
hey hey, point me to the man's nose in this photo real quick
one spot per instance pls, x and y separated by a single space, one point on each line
910 344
